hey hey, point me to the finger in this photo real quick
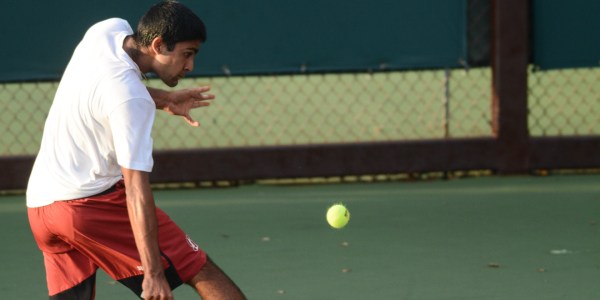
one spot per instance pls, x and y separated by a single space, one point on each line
204 87
191 121
205 96
197 104
201 89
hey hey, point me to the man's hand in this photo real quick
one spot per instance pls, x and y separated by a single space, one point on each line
180 103
156 288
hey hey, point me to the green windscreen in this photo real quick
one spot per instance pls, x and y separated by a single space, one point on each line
565 34
253 37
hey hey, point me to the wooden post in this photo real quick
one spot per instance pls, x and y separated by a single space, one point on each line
510 58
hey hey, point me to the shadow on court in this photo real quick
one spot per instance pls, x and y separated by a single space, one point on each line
478 238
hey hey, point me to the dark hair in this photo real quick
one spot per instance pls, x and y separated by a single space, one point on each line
172 21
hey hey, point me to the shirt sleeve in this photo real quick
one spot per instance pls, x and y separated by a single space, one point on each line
131 125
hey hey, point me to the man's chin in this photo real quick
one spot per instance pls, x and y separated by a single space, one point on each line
171 83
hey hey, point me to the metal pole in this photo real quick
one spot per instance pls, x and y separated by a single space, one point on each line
446 103
510 58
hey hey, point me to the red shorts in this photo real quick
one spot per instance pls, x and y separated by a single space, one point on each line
78 236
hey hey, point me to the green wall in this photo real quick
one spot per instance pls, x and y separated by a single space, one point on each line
252 37
565 34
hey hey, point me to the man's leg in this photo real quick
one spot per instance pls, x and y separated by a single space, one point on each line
84 291
69 273
212 283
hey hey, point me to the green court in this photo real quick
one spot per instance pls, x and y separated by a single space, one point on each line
473 238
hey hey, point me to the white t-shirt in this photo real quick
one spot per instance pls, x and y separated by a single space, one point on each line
101 120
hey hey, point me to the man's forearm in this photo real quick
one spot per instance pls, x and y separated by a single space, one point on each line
159 96
142 215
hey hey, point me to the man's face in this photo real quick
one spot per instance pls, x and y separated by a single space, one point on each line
170 66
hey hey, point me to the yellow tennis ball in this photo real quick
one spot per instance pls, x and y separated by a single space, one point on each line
338 216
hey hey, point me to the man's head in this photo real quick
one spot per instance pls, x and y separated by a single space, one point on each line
172 33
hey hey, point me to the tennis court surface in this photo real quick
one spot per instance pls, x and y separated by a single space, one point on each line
474 238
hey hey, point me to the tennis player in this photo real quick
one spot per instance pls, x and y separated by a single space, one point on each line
89 200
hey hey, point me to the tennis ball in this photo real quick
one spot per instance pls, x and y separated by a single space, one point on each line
338 216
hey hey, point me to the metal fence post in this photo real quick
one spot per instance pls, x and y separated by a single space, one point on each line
510 57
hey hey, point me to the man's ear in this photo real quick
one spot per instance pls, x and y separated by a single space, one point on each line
158 46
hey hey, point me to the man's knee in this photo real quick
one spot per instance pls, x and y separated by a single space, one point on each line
211 282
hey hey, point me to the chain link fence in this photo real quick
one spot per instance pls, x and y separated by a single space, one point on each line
292 110
335 108
564 102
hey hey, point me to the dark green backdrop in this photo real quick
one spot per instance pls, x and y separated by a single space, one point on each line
273 36
566 33
268 36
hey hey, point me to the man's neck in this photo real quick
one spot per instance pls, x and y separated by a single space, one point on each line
137 55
